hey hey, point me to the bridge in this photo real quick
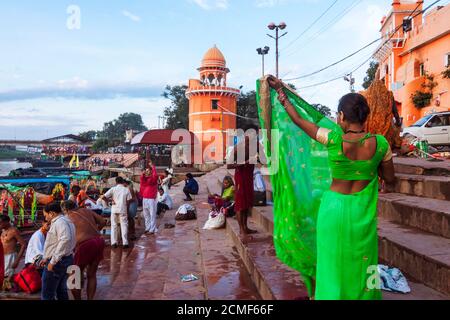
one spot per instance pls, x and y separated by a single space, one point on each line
66 140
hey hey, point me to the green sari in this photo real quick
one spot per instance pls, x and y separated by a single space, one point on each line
326 236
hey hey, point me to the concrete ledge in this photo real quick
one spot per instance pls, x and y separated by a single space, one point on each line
273 280
433 187
429 215
422 167
423 256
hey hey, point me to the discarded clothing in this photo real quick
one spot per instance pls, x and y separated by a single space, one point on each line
393 280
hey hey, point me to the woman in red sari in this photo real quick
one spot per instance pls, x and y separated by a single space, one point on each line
244 194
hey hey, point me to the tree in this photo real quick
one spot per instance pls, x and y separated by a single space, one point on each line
371 72
126 121
89 135
322 109
113 133
246 107
177 113
101 144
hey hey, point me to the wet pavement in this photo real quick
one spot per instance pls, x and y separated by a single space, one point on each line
152 268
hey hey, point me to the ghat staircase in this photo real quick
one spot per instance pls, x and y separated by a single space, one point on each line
414 235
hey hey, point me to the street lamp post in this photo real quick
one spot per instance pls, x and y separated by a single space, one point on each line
351 80
275 27
263 52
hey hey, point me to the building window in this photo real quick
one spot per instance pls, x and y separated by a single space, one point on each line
214 104
422 69
447 60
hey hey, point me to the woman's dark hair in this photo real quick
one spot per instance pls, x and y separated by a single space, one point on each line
53 207
189 176
355 108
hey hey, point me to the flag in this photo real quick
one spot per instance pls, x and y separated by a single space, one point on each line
72 161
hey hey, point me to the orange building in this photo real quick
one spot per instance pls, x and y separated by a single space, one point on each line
212 105
409 56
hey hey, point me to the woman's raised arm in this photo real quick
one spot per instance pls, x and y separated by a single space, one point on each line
310 128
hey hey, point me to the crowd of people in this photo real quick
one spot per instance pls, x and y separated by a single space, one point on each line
98 162
67 150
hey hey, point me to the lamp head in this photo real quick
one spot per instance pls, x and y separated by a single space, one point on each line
282 26
266 50
272 26
259 50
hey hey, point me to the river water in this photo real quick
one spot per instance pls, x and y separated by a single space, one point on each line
7 166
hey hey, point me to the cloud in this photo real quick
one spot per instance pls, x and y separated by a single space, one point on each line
131 16
80 90
211 4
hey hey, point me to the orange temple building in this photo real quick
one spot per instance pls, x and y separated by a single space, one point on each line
212 105
409 56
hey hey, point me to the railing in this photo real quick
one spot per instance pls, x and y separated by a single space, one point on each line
213 89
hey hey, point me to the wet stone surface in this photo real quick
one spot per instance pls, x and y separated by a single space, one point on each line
152 268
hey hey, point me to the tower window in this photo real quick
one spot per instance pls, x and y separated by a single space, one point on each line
447 60
215 104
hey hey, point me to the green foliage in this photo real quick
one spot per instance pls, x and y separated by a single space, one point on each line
370 74
322 109
422 99
90 135
113 133
446 73
101 144
177 113
246 107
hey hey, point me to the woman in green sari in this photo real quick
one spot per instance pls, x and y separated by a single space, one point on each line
342 219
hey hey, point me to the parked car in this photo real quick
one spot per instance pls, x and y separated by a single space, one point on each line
435 128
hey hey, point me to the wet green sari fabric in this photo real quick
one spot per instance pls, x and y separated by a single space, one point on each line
322 234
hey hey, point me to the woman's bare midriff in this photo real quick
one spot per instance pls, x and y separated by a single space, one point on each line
348 187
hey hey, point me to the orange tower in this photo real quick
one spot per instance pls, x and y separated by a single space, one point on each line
212 105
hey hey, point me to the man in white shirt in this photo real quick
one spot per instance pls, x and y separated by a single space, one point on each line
35 248
58 253
164 201
121 197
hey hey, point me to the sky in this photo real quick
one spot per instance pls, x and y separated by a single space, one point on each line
69 66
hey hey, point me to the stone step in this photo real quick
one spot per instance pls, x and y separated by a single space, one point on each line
421 255
429 255
434 187
422 167
273 279
429 215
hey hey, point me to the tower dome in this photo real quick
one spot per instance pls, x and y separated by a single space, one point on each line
214 58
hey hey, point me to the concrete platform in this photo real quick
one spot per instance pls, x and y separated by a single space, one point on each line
426 214
153 267
433 187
